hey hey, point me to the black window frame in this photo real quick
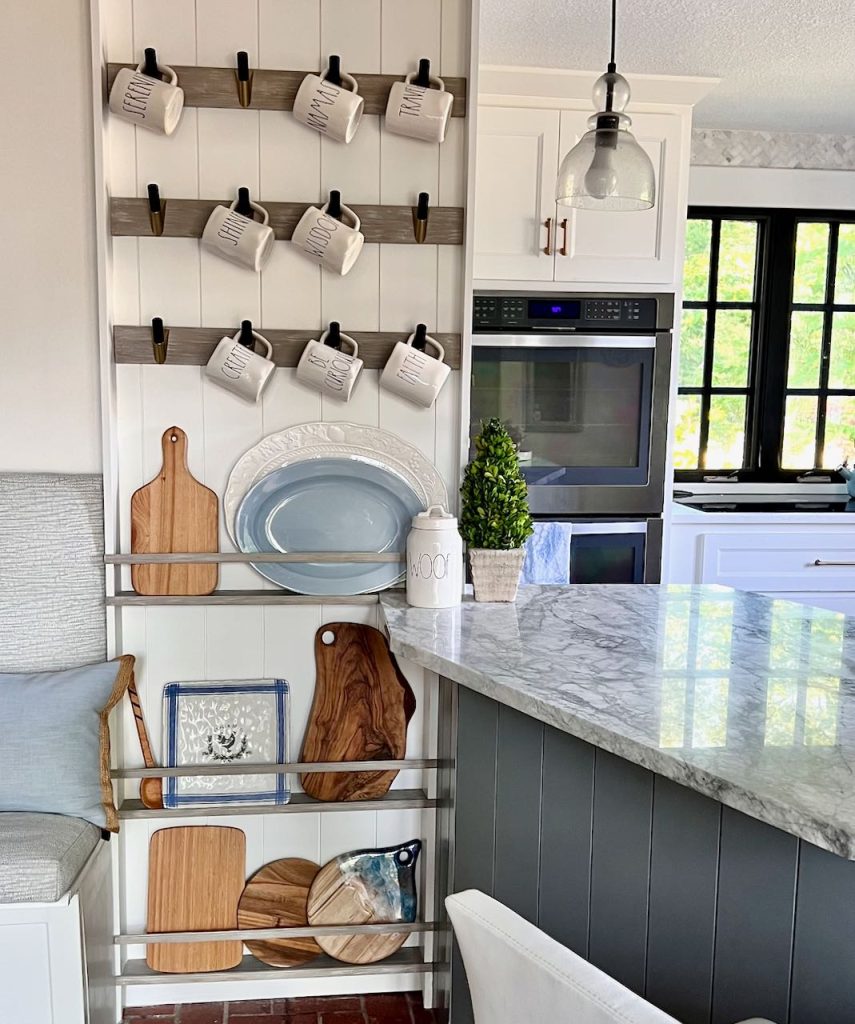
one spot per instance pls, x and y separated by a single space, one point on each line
766 386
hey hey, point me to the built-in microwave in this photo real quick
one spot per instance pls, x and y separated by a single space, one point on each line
582 381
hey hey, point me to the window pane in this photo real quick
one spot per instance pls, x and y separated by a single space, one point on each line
737 256
839 431
696 272
687 434
732 348
842 372
844 285
805 349
799 432
692 342
726 441
811 261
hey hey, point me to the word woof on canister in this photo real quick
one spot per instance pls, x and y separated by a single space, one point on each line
434 560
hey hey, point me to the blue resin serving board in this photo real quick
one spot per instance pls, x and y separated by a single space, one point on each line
225 722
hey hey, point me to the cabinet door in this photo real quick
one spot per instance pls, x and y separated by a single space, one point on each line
515 193
625 248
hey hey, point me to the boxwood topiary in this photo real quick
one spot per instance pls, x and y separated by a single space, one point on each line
494 509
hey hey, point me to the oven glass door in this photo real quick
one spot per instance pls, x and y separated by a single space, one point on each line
579 407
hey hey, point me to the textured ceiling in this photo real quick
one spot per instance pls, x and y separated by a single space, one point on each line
785 64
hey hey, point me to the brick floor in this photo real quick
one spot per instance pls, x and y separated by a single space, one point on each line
397 1008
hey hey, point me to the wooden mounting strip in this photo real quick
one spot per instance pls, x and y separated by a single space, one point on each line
192 346
275 90
186 218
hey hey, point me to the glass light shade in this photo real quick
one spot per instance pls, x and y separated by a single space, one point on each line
607 169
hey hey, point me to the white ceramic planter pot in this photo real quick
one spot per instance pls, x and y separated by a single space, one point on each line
496 574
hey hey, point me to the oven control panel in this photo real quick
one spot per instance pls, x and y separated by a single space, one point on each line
556 313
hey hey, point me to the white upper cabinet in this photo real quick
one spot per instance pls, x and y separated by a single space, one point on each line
515 193
517 220
625 248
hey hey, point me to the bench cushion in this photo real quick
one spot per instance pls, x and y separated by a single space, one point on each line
42 854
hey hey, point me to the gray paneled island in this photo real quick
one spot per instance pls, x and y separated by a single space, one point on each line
660 777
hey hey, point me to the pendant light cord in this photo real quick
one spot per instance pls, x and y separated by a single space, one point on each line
612 65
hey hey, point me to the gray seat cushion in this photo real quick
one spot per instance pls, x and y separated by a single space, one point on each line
42 854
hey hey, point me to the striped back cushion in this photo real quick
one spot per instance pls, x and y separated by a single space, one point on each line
51 571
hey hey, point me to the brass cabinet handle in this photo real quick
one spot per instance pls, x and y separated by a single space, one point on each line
563 249
548 225
819 563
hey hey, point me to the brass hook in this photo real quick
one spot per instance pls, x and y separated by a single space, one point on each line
420 217
156 210
244 77
159 340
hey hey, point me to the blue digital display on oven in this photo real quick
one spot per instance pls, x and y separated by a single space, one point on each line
554 309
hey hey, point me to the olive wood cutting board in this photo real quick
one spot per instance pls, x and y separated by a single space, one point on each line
360 711
276 897
195 878
174 513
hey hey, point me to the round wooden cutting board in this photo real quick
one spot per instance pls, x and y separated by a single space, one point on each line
276 897
365 887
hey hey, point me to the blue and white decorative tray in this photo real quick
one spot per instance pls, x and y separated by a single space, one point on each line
227 722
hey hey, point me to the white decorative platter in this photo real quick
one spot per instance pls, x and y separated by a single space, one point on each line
332 440
227 722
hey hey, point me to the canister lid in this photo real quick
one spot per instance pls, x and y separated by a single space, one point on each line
435 518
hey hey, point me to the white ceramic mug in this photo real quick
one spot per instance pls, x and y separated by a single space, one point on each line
239 239
333 110
419 112
332 371
335 244
240 370
146 101
414 374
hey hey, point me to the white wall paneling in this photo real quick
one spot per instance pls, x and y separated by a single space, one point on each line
212 153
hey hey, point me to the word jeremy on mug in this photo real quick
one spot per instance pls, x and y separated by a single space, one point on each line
146 101
239 369
239 239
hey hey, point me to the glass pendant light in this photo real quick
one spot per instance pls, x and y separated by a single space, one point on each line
607 169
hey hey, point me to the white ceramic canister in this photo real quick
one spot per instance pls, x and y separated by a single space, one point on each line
434 560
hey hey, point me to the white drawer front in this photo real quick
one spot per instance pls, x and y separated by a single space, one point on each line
780 561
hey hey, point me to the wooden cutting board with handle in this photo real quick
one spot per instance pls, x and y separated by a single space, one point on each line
366 887
195 878
174 513
360 711
277 897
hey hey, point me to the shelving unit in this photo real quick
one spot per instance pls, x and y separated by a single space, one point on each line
395 800
193 346
186 218
275 90
410 960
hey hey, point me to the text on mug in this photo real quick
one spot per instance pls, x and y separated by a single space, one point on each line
326 94
135 100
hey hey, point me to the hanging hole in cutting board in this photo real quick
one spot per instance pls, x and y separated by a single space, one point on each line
328 637
173 438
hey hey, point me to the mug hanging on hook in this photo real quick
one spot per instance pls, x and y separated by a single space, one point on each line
416 369
331 364
142 97
330 235
233 233
237 367
420 106
330 102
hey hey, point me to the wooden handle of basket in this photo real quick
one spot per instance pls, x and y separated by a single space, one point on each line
151 790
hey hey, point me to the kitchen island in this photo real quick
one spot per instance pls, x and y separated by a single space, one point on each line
661 778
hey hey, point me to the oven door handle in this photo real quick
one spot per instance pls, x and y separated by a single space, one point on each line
564 340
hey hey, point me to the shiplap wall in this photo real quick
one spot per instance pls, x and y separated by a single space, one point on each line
392 287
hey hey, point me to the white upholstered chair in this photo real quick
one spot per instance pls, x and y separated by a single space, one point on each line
517 974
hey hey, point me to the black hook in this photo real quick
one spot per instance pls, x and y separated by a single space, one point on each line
420 339
420 217
156 209
150 67
159 340
334 205
246 339
333 338
244 206
334 70
244 79
423 77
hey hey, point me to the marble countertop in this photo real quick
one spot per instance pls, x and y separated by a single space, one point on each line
748 700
